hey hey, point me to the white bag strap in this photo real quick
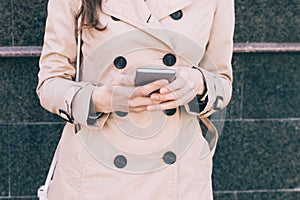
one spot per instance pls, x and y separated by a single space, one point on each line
78 47
43 190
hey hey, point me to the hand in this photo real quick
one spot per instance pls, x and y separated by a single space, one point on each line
120 95
188 83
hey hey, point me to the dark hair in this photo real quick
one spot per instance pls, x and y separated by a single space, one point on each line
90 15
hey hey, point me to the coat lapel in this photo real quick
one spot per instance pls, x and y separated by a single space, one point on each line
145 16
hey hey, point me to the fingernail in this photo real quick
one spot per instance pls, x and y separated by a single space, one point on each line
163 90
165 82
154 96
150 108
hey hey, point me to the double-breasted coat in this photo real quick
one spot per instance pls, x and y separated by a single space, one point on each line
147 155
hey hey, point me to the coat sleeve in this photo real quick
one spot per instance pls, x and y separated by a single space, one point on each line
216 63
57 91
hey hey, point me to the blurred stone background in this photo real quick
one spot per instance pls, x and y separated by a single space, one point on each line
258 156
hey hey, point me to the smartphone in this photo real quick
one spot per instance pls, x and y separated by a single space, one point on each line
144 76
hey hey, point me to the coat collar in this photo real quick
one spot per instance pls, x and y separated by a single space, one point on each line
145 16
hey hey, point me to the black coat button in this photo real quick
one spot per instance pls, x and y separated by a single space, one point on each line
120 162
177 15
170 112
115 19
169 158
169 59
120 62
121 114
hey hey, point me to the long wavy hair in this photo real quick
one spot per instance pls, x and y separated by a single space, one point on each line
89 12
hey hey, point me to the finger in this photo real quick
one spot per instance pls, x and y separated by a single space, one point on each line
147 89
178 94
142 101
135 109
175 85
172 103
163 106
138 109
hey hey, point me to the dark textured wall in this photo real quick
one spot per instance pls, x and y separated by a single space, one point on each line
258 156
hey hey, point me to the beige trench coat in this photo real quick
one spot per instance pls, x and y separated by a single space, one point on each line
149 155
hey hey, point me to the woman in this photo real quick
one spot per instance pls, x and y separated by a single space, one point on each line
141 142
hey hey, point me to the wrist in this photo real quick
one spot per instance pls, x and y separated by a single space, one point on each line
99 97
202 90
